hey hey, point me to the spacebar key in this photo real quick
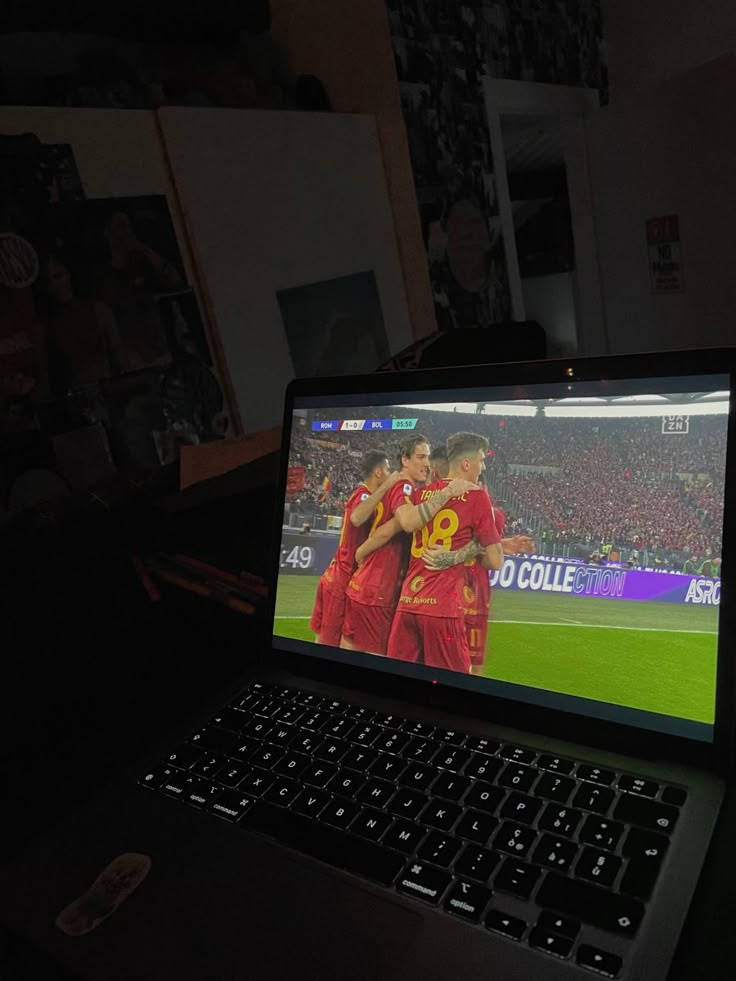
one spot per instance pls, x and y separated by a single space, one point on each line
591 904
331 846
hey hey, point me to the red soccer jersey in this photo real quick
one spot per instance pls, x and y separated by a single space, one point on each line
440 593
478 599
377 581
337 574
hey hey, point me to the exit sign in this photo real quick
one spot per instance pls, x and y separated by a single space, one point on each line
665 256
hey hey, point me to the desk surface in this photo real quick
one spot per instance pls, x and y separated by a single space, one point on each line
130 699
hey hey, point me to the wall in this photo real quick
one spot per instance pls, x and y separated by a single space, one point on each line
649 42
274 201
550 300
670 150
348 46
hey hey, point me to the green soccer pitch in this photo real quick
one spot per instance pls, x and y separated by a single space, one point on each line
656 657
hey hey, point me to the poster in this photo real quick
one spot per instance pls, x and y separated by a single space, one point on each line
335 327
104 361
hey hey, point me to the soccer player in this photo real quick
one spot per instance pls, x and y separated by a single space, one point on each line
372 590
329 604
429 626
438 464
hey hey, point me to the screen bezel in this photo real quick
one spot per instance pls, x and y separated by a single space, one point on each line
547 721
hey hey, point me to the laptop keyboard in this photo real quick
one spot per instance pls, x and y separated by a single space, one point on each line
454 820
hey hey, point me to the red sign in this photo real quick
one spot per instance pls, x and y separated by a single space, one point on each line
665 256
296 478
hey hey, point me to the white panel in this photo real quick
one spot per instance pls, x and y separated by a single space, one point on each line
276 200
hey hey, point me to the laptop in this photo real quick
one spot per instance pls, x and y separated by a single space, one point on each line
395 796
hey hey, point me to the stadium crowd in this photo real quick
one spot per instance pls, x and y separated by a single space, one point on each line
616 480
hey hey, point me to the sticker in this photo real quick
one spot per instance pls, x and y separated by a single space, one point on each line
111 888
408 489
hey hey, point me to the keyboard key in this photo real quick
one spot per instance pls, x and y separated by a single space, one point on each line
509 926
281 736
200 793
485 797
550 943
243 748
421 750
305 742
232 773
256 783
439 849
364 735
476 826
647 813
184 757
423 882
645 851
591 904
311 700
359 758
331 750
560 820
674 795
358 713
290 714
418 728
371 824
599 867
337 727
291 765
245 701
517 754
601 832
592 798
388 767
520 807
347 783
450 786
565 925
266 757
417 777
515 839
477 863
310 802
268 707
175 784
451 736
595 774
342 850
213 738
391 742
555 853
452 758
230 805
483 767
555 787
318 774
208 765
313 720
258 728
482 744
468 900
404 836
637 785
376 793
518 776
440 815
229 719
388 721
516 878
557 764
335 706
600 961
282 792
339 812
406 803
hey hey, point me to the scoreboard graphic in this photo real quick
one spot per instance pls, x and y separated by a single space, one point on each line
362 425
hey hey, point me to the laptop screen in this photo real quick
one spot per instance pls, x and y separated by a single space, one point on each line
559 545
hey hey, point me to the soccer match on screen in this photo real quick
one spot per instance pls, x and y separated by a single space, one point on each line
565 544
